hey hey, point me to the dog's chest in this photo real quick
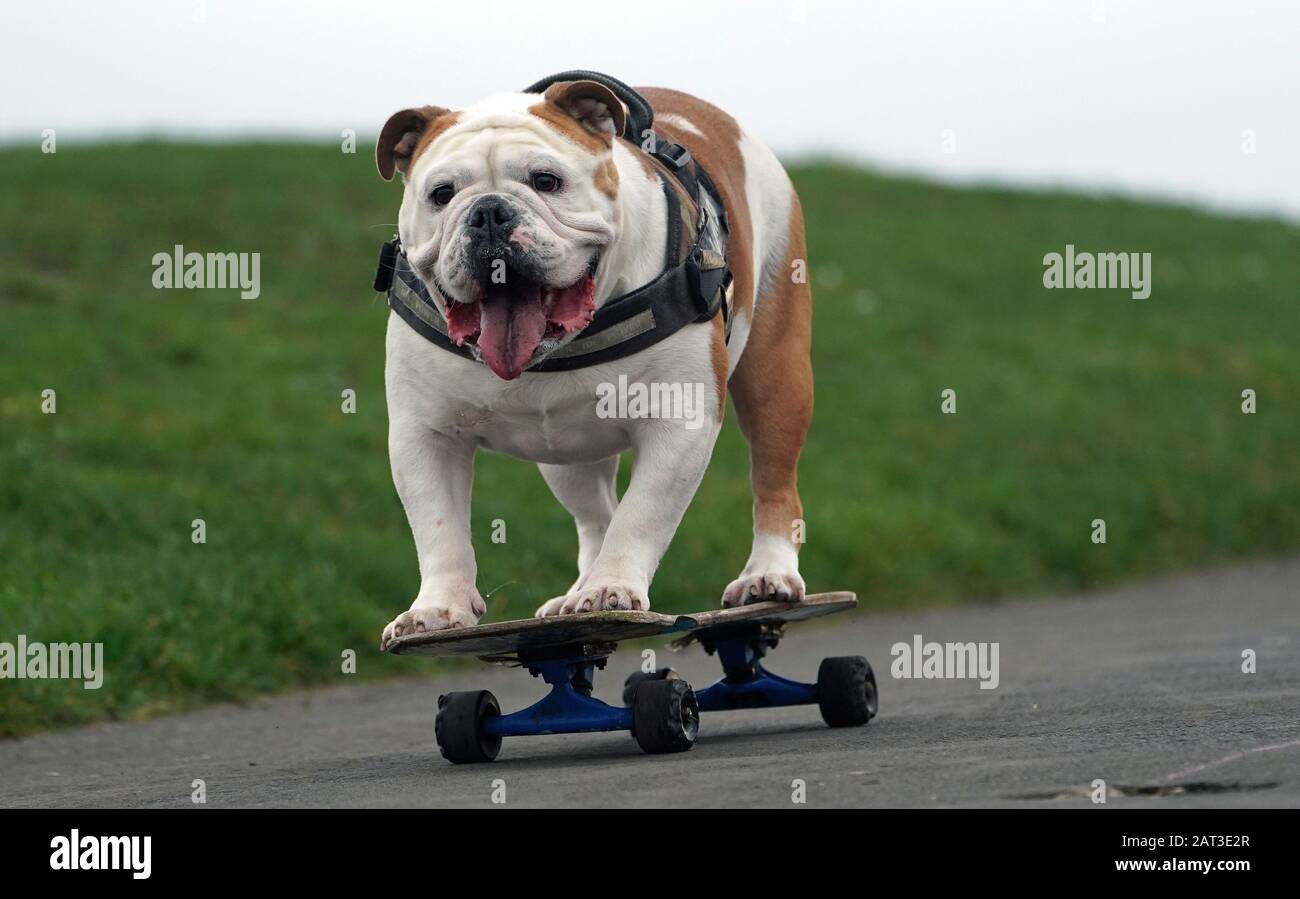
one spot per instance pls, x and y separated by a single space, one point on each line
541 423
557 417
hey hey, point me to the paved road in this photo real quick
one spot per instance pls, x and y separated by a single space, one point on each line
1140 686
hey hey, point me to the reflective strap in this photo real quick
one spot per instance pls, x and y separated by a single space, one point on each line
426 312
635 326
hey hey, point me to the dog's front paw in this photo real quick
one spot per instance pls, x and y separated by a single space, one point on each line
441 609
772 584
418 619
607 597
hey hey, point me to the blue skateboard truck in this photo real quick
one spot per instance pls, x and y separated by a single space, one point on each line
565 652
470 726
660 709
845 690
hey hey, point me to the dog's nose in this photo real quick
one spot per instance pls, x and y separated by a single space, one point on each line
492 219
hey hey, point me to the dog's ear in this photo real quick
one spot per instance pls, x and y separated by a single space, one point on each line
400 136
594 106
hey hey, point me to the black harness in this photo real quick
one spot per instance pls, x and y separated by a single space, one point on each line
693 286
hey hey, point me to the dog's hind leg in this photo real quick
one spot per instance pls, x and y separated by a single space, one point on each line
772 389
588 492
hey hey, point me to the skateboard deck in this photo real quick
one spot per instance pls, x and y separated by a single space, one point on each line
504 639
814 605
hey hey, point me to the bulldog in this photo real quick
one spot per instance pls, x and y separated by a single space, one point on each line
523 215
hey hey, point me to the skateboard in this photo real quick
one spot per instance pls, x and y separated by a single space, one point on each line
565 652
660 708
845 691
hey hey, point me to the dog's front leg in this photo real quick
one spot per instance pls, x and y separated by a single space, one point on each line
433 474
670 463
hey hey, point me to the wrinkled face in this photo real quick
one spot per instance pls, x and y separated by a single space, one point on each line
508 210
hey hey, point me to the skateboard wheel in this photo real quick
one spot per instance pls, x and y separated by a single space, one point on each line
846 691
459 726
665 715
637 678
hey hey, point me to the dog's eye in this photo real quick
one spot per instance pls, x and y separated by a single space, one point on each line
442 194
545 182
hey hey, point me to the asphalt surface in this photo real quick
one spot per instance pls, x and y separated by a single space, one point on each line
1140 686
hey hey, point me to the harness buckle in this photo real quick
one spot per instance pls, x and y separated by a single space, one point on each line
708 286
671 154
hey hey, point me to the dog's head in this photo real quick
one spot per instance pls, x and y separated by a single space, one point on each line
509 209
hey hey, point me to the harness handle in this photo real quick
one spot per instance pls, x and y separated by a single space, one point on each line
641 116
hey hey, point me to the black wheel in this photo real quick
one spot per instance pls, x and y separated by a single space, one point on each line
846 691
665 715
459 726
637 678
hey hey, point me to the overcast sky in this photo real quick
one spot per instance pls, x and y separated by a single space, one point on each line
1164 97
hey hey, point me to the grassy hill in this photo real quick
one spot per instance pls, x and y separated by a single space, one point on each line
177 405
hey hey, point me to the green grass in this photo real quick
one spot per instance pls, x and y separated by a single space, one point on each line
176 405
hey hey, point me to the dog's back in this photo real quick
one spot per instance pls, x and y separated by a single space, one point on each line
767 223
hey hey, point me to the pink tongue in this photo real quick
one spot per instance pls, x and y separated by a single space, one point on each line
509 333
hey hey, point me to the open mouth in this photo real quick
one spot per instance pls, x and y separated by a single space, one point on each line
512 319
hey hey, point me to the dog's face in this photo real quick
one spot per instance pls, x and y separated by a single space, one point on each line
509 210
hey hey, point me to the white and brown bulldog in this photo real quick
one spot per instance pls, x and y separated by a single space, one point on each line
522 215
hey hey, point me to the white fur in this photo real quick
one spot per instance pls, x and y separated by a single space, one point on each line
442 408
770 195
680 121
772 570
768 192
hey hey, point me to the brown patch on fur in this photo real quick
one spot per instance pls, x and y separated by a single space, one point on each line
571 128
607 178
433 132
772 389
557 112
718 349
